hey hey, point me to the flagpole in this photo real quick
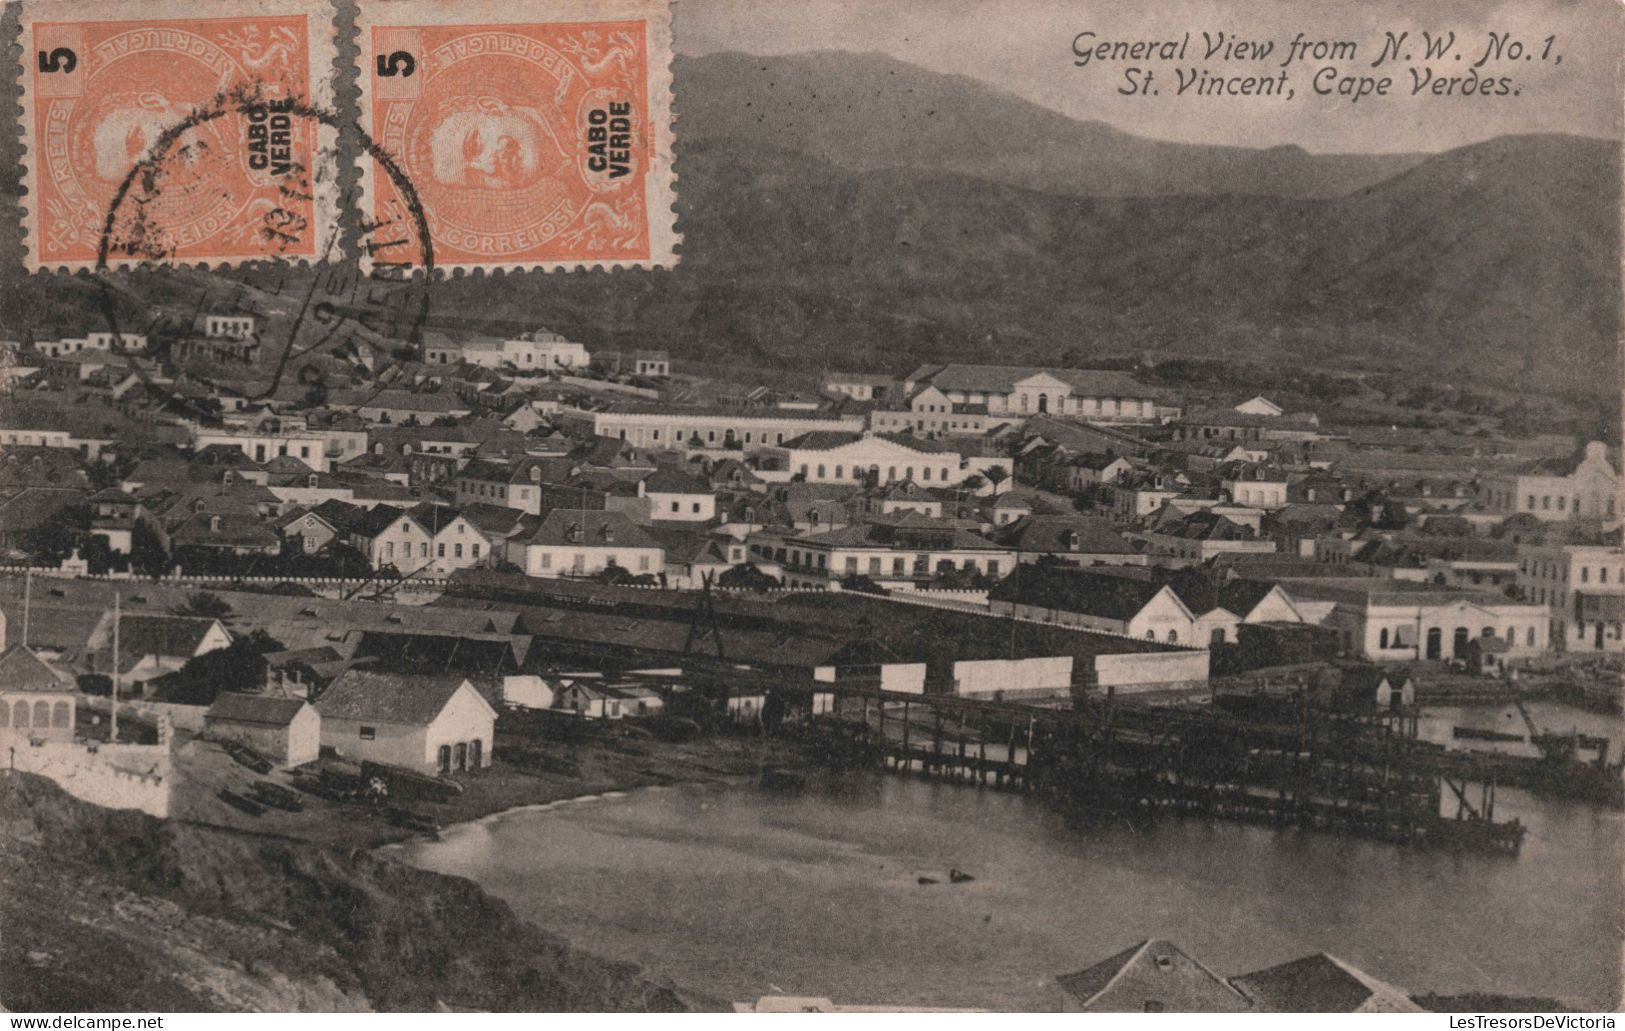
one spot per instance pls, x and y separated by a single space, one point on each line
112 731
28 595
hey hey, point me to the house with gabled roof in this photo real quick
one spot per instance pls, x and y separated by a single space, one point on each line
431 723
677 496
584 542
1073 539
288 731
1321 983
1154 976
37 700
1095 395
1122 600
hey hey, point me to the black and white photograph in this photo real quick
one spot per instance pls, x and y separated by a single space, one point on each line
954 507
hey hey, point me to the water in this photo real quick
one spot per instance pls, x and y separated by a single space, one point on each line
1438 721
742 894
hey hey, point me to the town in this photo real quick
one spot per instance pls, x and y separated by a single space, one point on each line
402 593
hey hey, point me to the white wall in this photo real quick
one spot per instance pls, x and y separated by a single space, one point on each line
1046 676
1150 670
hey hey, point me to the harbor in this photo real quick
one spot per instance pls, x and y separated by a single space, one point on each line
744 892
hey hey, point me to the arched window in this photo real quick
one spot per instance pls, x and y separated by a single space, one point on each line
59 715
1530 637
1150 635
19 715
42 714
1173 637
5 715
1382 638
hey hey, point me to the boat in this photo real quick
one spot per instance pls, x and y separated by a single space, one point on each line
407 783
959 877
927 880
242 803
1476 734
775 779
400 816
276 796
248 757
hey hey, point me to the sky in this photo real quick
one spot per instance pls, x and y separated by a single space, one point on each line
1026 47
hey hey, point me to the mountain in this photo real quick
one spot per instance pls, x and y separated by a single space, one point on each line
866 112
1496 262
826 239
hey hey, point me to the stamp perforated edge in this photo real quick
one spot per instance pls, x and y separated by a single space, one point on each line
660 185
323 33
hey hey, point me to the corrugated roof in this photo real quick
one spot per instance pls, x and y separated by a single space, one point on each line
387 697
267 710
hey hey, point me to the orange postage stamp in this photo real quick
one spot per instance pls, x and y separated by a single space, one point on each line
537 133
170 133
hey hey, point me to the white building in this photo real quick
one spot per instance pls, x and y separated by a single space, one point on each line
1009 390
875 459
295 442
678 497
288 731
430 723
1583 588
1558 490
1397 620
538 350
229 327
101 341
584 543
716 427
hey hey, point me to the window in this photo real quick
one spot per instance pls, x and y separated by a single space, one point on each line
474 550
457 550
674 506
1530 637
1585 574
696 508
369 733
440 550
423 549
643 563
389 549
547 560
1382 638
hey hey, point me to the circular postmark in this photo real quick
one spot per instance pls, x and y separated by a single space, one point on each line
278 330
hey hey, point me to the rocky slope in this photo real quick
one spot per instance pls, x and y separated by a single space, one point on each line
110 910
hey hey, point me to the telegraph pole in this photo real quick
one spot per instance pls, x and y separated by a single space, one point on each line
112 730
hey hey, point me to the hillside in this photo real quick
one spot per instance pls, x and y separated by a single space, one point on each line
817 235
114 910
1495 262
865 112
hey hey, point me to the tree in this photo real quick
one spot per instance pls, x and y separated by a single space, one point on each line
996 475
862 585
748 577
148 556
206 605
57 539
240 666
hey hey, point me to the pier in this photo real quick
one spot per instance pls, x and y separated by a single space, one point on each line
1367 776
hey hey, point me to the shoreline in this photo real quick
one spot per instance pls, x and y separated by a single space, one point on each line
604 768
